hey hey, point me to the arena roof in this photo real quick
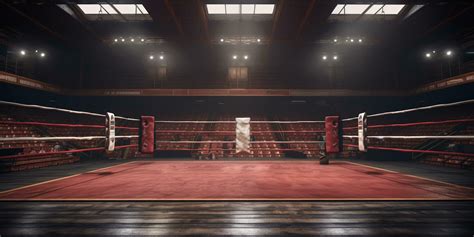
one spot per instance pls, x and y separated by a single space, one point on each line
281 44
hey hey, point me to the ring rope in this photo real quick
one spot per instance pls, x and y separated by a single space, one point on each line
415 109
233 132
227 149
414 124
61 110
414 151
64 152
63 125
9 139
233 122
229 142
455 137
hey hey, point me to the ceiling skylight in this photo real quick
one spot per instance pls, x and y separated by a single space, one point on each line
367 9
107 9
247 9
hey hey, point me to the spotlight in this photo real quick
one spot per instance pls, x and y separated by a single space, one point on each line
162 57
123 40
334 57
152 57
360 40
258 40
428 55
142 40
325 57
449 53
352 40
234 57
132 39
36 51
434 51
115 40
335 40
23 52
42 55
246 57
222 40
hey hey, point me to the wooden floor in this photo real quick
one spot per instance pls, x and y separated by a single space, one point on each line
236 218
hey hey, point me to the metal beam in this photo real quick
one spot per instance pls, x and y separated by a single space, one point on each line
171 11
276 17
204 18
308 12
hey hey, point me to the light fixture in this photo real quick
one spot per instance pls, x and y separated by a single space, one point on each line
132 40
335 40
222 40
360 40
123 40
325 57
23 52
352 40
142 40
258 40
234 57
428 55
116 40
246 57
162 57
36 51
434 51
42 55
334 57
152 57
449 53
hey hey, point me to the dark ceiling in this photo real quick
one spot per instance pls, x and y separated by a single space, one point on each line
81 53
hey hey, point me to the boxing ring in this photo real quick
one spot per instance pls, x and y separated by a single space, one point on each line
151 179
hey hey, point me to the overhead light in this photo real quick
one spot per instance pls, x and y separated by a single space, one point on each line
215 8
222 40
23 52
384 9
142 40
131 9
248 8
434 51
151 57
234 57
349 9
97 9
334 57
335 40
258 40
162 57
123 40
325 57
360 40
232 9
116 40
264 8
449 53
132 39
246 57
36 51
428 55
42 55
352 40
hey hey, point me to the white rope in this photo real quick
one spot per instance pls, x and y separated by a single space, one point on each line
10 139
459 137
254 142
416 109
233 122
61 110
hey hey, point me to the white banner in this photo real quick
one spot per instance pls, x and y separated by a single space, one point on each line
242 135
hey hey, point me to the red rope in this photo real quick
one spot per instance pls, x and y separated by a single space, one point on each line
415 124
63 125
227 149
414 151
63 152
233 132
